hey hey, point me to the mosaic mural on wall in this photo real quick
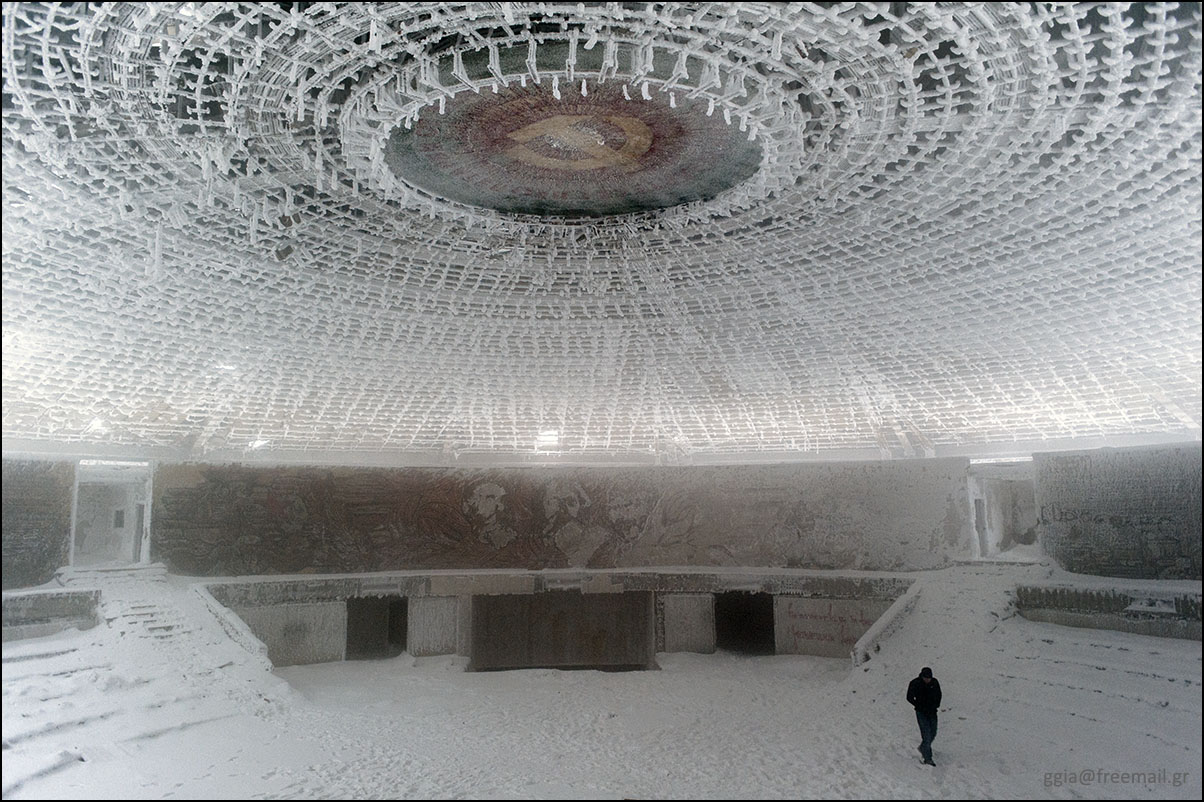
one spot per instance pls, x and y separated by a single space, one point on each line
1132 512
548 148
37 520
231 520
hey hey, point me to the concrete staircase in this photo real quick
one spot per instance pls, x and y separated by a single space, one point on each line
136 602
158 662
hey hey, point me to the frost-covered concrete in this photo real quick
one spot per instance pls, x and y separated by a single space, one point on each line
434 624
298 634
195 715
37 519
688 622
1132 512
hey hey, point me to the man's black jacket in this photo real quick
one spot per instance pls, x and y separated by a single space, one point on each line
924 697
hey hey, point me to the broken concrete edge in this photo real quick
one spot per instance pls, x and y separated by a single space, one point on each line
49 607
13 632
262 591
886 624
245 596
257 592
1125 602
233 625
1160 627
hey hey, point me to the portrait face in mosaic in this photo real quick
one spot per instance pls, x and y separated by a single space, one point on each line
564 501
483 508
486 500
628 509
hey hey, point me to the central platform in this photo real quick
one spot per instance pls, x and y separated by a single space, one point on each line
568 619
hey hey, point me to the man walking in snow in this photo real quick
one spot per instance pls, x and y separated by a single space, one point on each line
924 694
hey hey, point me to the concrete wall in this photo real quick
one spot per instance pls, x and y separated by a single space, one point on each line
888 623
562 617
36 613
1131 512
823 627
1162 613
37 520
299 634
294 590
688 622
562 628
1155 627
232 520
433 625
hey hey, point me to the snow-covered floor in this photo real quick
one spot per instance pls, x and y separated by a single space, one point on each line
128 710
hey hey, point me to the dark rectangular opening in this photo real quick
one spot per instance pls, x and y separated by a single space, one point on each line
376 627
744 622
398 624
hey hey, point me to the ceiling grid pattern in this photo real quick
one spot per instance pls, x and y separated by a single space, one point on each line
969 225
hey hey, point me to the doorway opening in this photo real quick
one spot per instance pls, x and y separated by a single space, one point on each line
1005 511
744 622
376 627
111 515
980 525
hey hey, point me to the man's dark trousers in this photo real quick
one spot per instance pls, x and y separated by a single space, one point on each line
927 723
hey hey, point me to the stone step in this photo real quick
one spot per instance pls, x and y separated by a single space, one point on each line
20 658
13 738
20 769
166 636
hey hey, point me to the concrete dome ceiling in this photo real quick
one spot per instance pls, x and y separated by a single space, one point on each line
698 232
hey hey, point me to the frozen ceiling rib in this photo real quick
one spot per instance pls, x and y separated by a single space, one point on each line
580 231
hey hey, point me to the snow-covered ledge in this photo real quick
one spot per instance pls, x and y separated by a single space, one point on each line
233 626
871 641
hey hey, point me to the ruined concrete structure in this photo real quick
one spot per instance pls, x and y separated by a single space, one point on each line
405 289
1122 513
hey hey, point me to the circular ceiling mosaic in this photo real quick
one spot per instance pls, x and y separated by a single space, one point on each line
584 152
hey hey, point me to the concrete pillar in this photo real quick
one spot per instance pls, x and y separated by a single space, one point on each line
689 622
299 634
464 626
433 625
